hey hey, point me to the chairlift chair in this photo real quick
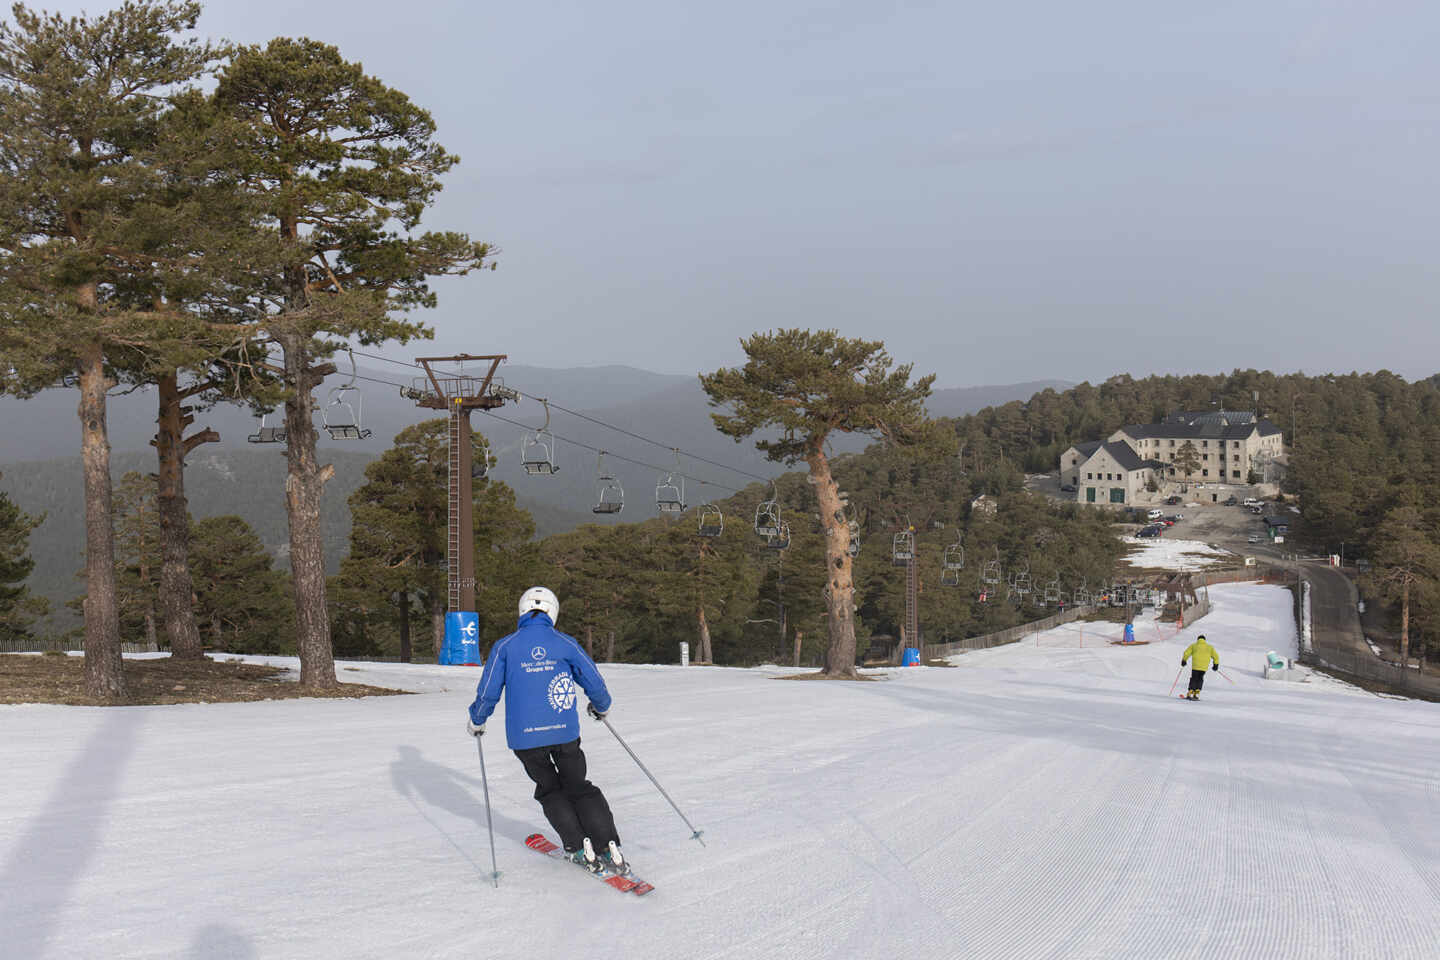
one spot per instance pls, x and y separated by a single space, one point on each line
1022 581
712 521
537 450
954 558
992 573
669 495
1052 591
767 519
480 461
902 550
949 577
611 496
264 434
1082 595
854 548
341 418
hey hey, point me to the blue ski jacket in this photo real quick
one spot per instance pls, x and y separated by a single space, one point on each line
538 667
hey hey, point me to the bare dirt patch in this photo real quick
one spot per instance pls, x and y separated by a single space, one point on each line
58 678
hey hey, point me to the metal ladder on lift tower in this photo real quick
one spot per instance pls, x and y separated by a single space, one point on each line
452 548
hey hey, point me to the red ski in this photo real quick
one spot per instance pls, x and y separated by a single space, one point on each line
625 884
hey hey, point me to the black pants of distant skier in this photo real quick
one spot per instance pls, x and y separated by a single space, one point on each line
574 806
1197 680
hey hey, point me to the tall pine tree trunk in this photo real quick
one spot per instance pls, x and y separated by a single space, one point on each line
405 653
610 648
151 639
839 584
104 669
705 655
177 594
1405 625
590 640
304 483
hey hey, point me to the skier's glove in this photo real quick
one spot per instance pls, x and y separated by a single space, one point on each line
597 714
473 728
1216 667
1182 663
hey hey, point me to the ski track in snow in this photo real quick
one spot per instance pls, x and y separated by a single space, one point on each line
1047 799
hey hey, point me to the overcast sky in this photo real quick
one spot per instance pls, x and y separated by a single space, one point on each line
1000 191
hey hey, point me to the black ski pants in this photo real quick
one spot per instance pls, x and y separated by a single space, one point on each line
1197 680
574 806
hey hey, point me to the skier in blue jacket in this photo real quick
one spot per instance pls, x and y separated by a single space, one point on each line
538 667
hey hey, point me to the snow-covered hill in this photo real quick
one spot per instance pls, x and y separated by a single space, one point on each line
1046 799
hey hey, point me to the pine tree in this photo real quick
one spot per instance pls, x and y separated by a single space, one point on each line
18 607
80 101
1407 559
810 385
137 552
347 166
237 588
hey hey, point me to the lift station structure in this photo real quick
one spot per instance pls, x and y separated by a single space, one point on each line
458 394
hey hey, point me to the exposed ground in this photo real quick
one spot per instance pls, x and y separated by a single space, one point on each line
59 678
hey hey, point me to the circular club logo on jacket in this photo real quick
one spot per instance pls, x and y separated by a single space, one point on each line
562 692
537 653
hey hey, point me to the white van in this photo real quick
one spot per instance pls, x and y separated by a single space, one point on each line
1153 515
1251 502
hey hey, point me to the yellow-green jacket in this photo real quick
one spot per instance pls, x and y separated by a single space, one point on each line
1200 653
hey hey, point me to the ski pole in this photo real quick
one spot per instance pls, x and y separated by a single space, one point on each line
1225 675
694 834
1177 678
485 784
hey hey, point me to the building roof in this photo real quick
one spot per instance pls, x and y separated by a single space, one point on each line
1207 429
1122 454
1088 448
1224 418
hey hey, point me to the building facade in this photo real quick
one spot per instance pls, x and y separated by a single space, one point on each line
1228 445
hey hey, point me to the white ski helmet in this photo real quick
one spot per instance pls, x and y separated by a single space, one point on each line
542 599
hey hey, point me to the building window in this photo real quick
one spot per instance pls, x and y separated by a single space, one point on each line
1117 494
1089 494
1172 443
1089 476
1204 443
1204 473
1205 457
1235 474
1236 444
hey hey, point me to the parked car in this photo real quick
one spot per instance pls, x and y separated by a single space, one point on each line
1251 502
1172 500
1175 516
1254 538
1149 532
1067 488
1231 502
1153 515
1166 521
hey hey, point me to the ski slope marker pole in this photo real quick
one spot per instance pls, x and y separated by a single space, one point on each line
694 834
485 784
1177 679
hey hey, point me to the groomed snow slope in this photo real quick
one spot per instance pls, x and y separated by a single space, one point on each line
1042 800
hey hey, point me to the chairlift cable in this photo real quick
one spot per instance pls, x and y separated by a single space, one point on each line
598 422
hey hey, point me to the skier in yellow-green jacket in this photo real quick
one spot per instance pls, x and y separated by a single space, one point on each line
1200 655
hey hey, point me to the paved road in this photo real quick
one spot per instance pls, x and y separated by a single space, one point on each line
1332 611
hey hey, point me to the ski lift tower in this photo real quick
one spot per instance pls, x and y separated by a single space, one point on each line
458 394
912 587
